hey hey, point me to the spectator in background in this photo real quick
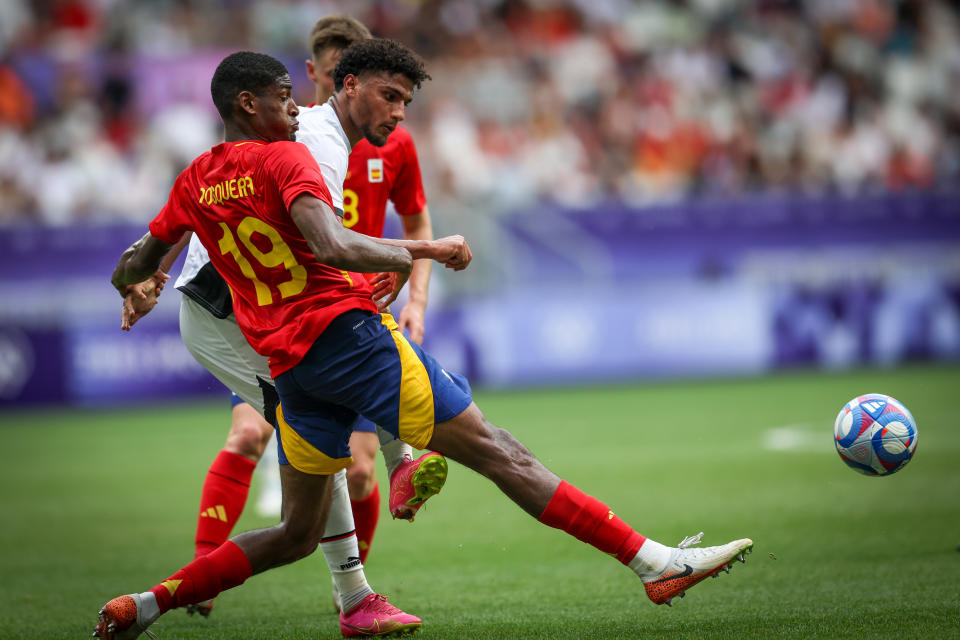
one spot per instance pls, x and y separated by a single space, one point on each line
642 102
16 118
16 100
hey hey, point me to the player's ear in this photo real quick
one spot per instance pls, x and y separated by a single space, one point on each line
311 71
351 84
246 101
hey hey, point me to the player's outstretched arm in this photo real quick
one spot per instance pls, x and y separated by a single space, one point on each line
452 251
339 247
336 246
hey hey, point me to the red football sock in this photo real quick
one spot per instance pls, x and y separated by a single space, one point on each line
366 513
589 520
223 568
221 503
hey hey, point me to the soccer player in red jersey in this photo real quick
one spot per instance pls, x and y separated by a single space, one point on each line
291 265
211 334
375 175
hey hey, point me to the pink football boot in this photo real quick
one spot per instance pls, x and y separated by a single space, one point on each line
413 482
374 616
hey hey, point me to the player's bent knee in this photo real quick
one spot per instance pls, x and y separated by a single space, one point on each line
249 437
361 476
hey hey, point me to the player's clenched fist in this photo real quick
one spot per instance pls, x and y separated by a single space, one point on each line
453 252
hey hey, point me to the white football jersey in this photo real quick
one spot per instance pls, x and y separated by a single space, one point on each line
321 131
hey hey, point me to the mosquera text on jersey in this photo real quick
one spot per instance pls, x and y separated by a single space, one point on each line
236 198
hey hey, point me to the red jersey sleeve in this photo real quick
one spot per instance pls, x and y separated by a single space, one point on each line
407 193
173 220
296 172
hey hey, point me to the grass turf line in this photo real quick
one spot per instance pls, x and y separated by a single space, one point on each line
101 503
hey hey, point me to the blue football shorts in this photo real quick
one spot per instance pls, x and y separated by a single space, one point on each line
364 426
361 424
361 364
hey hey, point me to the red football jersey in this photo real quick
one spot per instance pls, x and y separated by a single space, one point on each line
236 198
377 174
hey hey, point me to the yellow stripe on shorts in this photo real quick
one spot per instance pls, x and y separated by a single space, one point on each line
415 420
305 457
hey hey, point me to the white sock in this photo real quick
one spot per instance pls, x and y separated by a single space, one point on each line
270 500
652 558
393 450
149 609
343 554
343 558
340 517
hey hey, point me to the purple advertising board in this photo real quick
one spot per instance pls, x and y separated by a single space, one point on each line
609 293
60 337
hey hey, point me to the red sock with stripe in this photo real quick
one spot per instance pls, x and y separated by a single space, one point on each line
366 514
589 520
224 494
223 568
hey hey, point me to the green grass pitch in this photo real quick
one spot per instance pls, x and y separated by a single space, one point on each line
100 503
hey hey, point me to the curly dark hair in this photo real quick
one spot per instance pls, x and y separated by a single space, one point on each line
243 71
338 31
379 54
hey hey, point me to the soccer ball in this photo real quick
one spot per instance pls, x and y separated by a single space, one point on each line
875 435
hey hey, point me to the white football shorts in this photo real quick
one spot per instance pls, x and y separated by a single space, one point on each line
222 349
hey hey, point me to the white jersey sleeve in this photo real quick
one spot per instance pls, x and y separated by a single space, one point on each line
322 133
196 257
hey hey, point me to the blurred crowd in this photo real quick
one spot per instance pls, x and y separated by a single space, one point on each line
102 102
